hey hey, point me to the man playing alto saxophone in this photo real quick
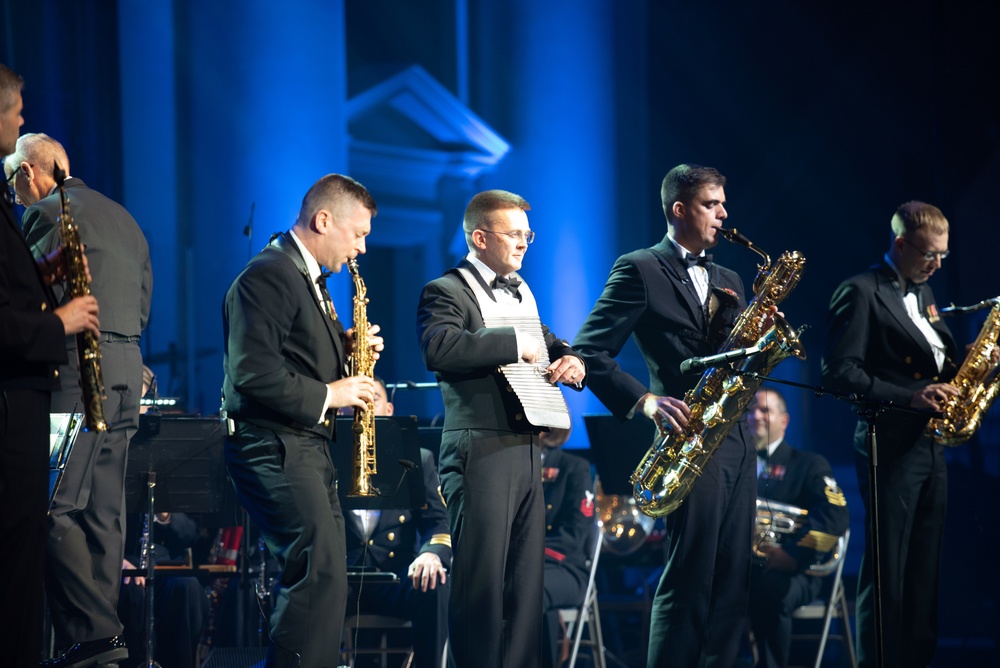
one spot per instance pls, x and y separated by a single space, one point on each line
678 304
886 341
284 363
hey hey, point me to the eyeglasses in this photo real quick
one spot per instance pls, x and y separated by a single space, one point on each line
929 256
528 236
10 183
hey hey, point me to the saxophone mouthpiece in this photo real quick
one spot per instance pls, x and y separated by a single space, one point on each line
733 236
58 173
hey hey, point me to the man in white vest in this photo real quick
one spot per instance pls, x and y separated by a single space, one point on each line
497 366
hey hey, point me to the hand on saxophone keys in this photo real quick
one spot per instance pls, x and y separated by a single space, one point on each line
933 396
79 315
668 413
376 343
353 392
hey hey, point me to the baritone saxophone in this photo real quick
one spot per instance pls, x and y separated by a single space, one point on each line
362 363
88 347
978 381
675 461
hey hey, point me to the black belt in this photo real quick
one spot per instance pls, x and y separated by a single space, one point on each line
111 337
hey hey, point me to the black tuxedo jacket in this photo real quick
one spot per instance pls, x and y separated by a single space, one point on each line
874 349
650 297
32 337
805 479
281 348
569 510
464 355
403 534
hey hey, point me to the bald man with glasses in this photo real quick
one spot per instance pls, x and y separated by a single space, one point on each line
886 341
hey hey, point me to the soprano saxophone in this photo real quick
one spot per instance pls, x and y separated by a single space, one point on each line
88 347
362 363
674 462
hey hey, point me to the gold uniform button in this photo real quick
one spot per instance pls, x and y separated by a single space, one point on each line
392 554
392 536
402 518
908 359
518 417
935 379
548 528
917 376
45 307
371 542
55 374
548 506
326 422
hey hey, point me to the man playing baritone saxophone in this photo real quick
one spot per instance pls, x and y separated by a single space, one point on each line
490 461
676 303
886 341
87 522
284 364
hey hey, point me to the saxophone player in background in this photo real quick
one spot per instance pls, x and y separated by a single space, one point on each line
886 341
678 304
33 331
86 521
284 363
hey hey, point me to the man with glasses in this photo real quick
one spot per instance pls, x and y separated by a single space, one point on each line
33 334
887 342
676 303
490 463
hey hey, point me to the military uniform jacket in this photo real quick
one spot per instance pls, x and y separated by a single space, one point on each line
401 535
805 479
873 349
569 509
649 296
464 355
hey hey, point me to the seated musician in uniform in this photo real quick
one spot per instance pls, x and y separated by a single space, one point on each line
414 544
569 520
779 583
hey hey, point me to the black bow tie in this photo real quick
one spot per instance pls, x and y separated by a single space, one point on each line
504 283
691 260
327 301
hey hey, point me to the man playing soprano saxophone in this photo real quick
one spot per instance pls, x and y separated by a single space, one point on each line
87 522
285 353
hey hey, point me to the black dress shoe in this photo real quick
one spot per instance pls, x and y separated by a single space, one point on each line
90 653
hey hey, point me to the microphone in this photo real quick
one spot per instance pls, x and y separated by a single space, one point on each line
697 364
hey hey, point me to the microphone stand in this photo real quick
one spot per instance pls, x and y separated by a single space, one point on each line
868 410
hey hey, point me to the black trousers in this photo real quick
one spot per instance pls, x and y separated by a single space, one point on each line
287 483
774 596
700 605
24 498
492 484
913 500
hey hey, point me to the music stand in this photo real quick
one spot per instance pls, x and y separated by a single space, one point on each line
616 448
175 467
395 439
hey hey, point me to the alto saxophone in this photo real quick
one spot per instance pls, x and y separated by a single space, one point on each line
88 346
362 363
674 462
978 381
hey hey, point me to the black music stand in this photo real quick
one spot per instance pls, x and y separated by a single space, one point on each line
396 438
617 447
174 465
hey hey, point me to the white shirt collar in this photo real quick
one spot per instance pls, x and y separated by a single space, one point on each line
311 264
484 271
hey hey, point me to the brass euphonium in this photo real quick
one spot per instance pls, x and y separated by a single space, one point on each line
674 462
88 347
362 363
978 381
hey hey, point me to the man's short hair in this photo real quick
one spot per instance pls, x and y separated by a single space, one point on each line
682 183
41 151
330 191
10 84
912 216
776 401
482 206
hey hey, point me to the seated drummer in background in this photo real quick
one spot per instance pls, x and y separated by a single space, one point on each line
569 521
779 583
414 544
